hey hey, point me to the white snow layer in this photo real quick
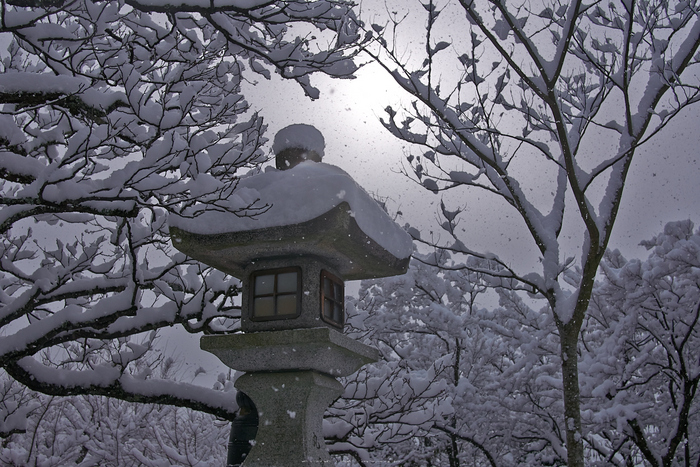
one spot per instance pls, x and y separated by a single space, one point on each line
299 136
242 4
18 82
300 194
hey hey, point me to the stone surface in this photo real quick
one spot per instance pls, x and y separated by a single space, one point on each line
290 408
333 236
317 349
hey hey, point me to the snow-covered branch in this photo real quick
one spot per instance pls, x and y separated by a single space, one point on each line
112 116
109 381
546 109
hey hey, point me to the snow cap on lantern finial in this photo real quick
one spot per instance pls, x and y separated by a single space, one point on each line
297 143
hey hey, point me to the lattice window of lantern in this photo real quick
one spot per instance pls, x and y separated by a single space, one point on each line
332 299
276 294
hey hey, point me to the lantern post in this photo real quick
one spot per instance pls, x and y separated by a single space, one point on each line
321 230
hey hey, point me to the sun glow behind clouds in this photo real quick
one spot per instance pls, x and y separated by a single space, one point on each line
347 114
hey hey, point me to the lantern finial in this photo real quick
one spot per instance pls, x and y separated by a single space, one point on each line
297 143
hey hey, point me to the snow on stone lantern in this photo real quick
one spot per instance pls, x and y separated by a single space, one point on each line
321 229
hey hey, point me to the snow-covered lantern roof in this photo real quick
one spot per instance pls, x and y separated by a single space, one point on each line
321 229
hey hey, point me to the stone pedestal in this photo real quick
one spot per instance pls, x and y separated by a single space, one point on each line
290 376
290 406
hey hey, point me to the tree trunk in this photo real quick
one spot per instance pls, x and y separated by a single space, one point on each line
572 404
452 448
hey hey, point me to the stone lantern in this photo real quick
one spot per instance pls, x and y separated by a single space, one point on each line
321 229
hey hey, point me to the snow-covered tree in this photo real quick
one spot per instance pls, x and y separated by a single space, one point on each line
641 365
488 374
388 406
97 430
541 107
495 375
112 115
